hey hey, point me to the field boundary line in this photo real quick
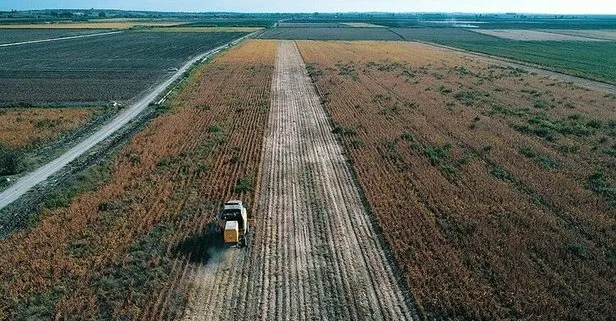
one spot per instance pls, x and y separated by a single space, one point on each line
545 70
32 179
61 38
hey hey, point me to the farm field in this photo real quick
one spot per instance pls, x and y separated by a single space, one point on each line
97 70
342 33
121 250
361 25
205 29
606 34
311 25
255 21
593 60
22 127
22 35
487 21
532 35
315 254
493 186
90 25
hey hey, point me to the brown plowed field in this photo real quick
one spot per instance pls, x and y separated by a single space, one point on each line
494 186
315 254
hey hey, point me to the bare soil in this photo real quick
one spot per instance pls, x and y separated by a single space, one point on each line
534 35
315 252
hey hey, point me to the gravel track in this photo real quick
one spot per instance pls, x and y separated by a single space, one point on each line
59 38
315 253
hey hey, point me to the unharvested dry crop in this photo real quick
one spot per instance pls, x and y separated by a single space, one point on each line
20 127
494 187
113 253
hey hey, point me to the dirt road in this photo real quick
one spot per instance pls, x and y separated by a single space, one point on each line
60 38
25 183
315 254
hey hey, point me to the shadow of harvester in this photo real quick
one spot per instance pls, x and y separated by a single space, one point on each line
199 248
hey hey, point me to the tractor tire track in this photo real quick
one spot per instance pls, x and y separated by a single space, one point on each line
315 253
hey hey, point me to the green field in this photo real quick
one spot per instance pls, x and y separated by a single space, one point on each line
593 60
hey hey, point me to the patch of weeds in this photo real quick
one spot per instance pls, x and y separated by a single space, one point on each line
381 99
134 158
597 182
595 123
437 75
243 185
461 70
203 107
499 173
348 70
611 96
407 136
568 149
546 162
164 162
39 307
390 111
611 151
611 256
357 143
437 155
528 152
410 252
467 98
444 90
46 123
214 128
545 133
578 249
390 151
236 156
541 104
313 71
531 91
344 131
474 123
502 110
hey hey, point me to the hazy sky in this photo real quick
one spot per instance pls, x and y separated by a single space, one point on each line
526 6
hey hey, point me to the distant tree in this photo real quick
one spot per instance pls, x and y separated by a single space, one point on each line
102 14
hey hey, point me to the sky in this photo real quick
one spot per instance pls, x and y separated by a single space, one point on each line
478 6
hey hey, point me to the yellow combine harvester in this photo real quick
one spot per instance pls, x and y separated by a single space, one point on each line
234 223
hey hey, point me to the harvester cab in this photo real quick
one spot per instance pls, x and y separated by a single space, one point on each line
234 223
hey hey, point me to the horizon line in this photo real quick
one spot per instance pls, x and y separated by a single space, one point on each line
320 12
